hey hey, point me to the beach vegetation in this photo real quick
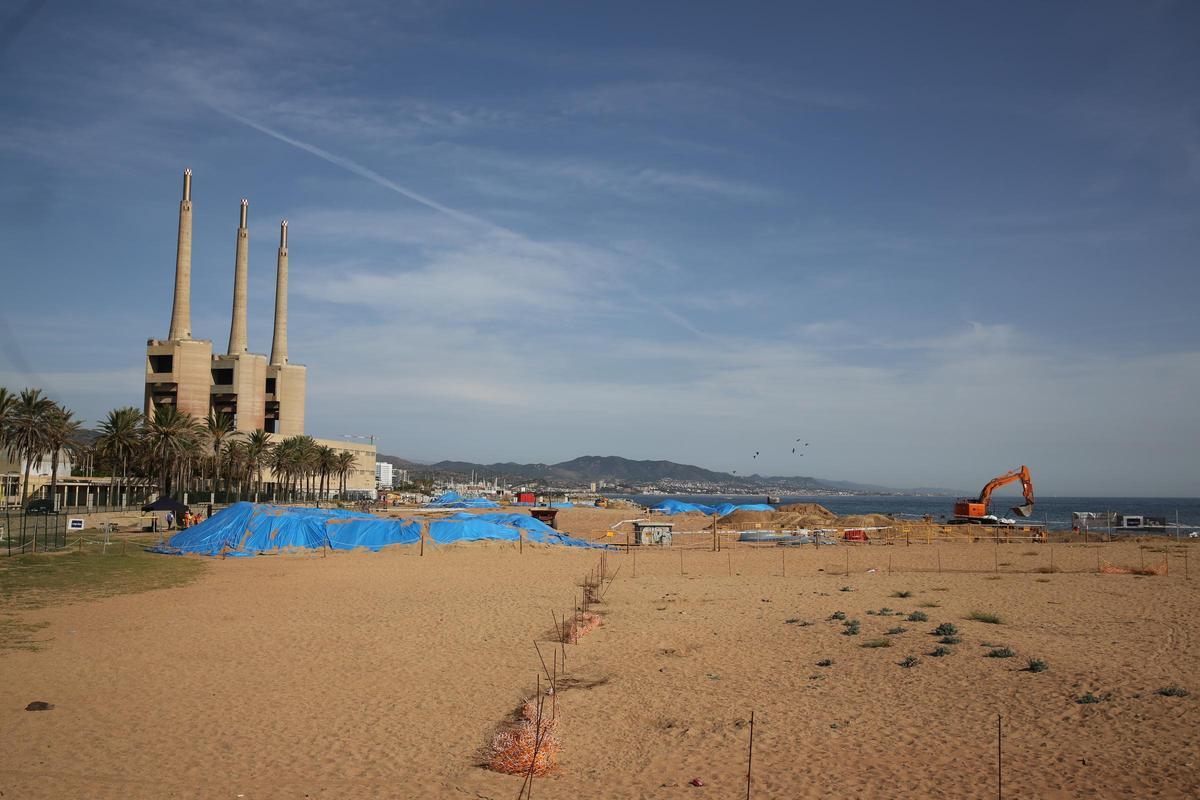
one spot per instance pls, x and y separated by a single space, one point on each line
986 616
910 661
1000 652
918 616
880 642
1089 698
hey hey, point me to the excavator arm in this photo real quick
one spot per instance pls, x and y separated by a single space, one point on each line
1020 474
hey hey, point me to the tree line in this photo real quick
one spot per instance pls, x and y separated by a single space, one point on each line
169 449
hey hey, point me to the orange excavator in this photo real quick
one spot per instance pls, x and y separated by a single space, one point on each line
968 509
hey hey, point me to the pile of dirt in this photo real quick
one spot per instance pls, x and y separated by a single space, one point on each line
808 510
743 517
865 521
803 515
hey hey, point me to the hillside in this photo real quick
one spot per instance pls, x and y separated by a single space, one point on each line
615 471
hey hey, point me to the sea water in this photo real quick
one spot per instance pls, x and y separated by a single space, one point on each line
1053 512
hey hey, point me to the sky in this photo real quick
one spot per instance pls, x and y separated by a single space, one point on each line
935 241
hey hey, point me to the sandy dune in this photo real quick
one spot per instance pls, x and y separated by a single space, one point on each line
381 675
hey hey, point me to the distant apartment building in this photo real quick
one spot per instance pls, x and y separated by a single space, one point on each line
383 475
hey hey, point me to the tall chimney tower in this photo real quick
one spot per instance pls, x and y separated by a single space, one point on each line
237 328
181 309
279 353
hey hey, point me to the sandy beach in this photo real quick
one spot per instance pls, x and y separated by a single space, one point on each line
368 675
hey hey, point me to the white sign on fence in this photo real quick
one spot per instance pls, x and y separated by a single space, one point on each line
75 524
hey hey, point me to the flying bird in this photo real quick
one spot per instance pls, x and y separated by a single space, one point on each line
756 454
793 451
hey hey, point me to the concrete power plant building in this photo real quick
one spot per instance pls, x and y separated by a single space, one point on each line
256 392
183 372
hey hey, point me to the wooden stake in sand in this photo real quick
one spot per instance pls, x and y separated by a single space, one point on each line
939 555
562 642
544 667
750 757
731 563
999 760
783 554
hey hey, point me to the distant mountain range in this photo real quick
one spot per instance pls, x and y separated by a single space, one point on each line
617 473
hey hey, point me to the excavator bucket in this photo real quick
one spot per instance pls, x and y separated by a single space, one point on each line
1023 511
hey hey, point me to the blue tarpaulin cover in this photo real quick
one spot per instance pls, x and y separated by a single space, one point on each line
507 527
456 500
677 507
247 529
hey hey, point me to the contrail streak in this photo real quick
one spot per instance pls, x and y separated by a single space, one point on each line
462 216
369 174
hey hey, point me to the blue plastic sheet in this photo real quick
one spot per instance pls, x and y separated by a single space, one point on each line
246 529
678 507
456 500
504 527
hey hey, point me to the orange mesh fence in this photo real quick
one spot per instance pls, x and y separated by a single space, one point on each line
515 750
585 623
1109 568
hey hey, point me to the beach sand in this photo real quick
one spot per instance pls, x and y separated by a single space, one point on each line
373 675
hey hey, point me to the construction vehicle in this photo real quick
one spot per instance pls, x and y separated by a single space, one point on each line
976 510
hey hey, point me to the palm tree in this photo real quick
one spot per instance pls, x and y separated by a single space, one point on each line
7 402
26 439
220 428
258 453
120 440
344 463
284 464
235 453
60 435
172 439
326 463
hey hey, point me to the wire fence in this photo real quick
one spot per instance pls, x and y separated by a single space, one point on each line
696 556
31 533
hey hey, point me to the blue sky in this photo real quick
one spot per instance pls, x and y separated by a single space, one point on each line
934 240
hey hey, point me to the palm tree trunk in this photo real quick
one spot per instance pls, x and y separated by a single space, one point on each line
54 480
25 485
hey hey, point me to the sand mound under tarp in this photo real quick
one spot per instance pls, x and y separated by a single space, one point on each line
248 529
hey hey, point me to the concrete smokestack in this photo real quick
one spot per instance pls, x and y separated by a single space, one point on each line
181 308
237 328
279 354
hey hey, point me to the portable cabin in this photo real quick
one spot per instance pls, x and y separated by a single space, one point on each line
655 532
